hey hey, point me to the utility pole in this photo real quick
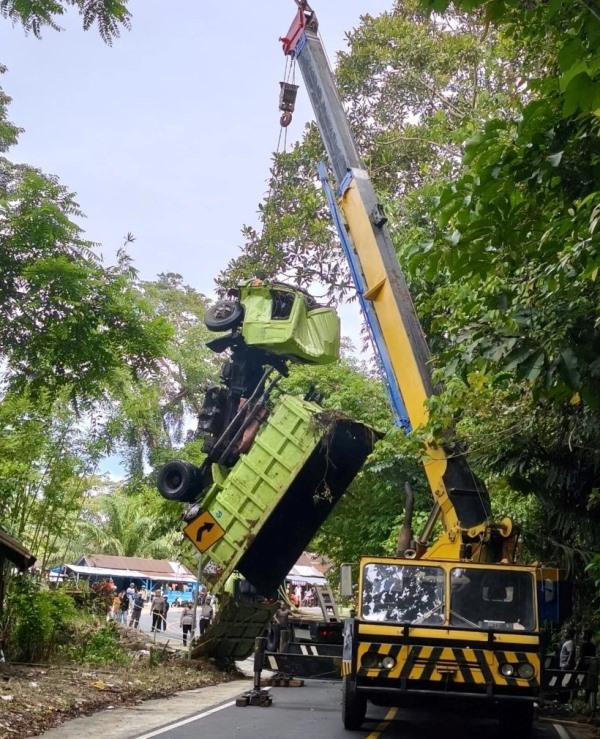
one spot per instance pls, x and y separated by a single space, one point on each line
196 595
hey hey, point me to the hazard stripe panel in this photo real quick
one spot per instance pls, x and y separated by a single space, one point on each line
442 663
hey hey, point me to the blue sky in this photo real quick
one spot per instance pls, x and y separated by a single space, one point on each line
167 134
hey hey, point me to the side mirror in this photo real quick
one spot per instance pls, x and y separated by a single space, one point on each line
549 591
346 580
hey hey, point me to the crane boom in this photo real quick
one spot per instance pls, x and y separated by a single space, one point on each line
460 497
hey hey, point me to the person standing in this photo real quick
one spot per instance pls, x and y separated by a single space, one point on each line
123 608
566 662
567 651
156 608
206 614
131 593
281 622
164 613
116 607
186 622
136 611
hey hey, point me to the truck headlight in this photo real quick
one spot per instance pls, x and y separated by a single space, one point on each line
507 670
525 670
370 660
388 663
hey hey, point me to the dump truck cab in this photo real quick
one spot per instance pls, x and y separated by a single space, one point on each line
279 319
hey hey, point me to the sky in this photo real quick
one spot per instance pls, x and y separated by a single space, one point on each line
168 133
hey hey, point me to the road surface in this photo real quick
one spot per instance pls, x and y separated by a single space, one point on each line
296 713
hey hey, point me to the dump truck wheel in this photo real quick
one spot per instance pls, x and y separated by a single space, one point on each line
354 705
223 315
180 481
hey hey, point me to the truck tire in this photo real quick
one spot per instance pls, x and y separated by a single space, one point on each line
180 481
354 705
223 315
516 720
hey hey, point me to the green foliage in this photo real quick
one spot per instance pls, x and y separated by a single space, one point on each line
46 625
127 525
515 262
152 416
65 321
36 621
102 647
47 460
34 15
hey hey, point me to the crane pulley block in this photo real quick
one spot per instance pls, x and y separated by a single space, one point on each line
287 101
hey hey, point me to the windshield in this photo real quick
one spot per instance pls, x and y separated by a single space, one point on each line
406 593
500 600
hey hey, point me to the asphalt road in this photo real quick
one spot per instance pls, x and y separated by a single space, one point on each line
315 711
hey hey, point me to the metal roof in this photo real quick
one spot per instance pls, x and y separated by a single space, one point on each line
14 551
156 569
132 567
305 575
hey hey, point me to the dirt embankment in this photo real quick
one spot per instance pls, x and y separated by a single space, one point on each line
35 698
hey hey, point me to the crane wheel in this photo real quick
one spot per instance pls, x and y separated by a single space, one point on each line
354 705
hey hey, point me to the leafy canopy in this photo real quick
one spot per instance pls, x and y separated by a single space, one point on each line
34 15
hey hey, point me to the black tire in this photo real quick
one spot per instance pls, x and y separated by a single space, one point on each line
180 481
270 636
224 315
354 705
516 720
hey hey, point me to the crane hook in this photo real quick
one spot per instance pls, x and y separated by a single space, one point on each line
287 102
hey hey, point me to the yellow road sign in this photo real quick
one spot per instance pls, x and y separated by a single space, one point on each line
204 531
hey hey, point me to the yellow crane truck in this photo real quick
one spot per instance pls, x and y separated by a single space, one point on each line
456 619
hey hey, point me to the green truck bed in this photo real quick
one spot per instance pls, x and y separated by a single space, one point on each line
273 502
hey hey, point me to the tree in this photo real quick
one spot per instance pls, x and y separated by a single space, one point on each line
66 321
157 414
517 244
48 457
111 523
499 245
34 15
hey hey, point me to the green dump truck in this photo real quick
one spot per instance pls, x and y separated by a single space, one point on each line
276 465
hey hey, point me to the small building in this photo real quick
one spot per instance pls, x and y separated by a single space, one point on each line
310 569
144 573
12 554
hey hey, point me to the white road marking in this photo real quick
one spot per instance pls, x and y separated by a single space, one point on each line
186 721
561 731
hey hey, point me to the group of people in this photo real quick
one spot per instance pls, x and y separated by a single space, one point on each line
205 616
128 604
302 596
159 608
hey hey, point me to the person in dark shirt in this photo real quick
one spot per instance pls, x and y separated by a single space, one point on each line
281 621
136 611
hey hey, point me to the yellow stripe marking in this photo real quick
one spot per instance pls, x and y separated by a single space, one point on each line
383 725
